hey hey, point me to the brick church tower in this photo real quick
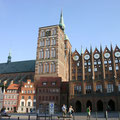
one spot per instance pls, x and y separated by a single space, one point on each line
53 52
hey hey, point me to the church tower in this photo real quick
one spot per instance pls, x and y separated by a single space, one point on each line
51 57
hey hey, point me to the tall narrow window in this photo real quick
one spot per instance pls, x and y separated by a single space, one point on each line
40 68
54 31
53 42
46 68
77 89
42 33
98 88
48 42
52 67
41 54
53 52
88 89
109 88
41 43
47 53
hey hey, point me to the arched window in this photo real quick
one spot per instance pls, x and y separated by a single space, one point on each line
48 42
46 67
40 68
52 67
42 33
41 43
53 52
41 54
54 31
53 42
47 53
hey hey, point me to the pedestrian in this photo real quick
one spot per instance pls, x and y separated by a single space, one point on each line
64 110
70 111
88 113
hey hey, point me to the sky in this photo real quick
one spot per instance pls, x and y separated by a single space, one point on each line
88 22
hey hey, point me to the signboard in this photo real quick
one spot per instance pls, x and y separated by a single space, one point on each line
51 108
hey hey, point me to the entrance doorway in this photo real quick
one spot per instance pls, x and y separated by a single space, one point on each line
78 106
99 105
14 109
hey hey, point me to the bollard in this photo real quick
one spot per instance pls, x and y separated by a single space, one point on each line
96 115
18 118
106 114
28 117
37 116
119 115
73 116
51 116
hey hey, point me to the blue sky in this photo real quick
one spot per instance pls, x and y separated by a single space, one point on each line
88 22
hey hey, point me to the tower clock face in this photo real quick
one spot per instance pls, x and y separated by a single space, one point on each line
76 57
96 56
87 57
117 54
107 55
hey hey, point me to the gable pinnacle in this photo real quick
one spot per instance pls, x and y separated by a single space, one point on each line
61 23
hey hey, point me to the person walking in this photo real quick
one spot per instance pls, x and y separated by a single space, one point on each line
70 111
88 113
64 110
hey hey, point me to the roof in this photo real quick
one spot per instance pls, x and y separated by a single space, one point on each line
17 67
13 87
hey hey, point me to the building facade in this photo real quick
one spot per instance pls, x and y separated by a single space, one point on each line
11 98
27 98
48 91
90 78
95 80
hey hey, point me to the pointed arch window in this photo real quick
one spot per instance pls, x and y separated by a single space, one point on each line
40 68
42 43
47 53
53 52
48 42
52 67
46 67
41 54
54 31
53 42
42 33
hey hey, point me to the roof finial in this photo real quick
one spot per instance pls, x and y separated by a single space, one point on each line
9 57
61 23
81 50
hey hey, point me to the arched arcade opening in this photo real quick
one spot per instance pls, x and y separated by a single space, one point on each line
99 105
111 105
89 103
78 106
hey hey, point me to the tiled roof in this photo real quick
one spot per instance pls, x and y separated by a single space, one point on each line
17 67
13 87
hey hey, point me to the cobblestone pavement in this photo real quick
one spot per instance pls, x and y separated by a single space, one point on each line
77 116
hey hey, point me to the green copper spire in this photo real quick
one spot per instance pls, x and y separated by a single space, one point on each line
9 57
61 23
